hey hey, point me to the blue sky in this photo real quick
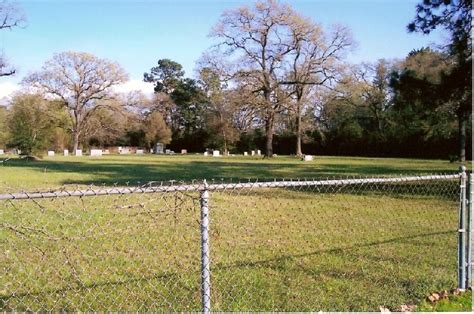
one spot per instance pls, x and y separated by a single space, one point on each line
138 33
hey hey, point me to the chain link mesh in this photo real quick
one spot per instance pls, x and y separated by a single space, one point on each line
335 245
123 252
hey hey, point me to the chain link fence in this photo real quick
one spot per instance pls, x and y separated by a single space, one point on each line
351 244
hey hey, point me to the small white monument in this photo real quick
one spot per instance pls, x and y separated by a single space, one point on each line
158 149
206 154
184 151
259 153
2 152
252 153
308 158
140 152
124 151
66 152
246 154
96 152
50 153
78 152
215 153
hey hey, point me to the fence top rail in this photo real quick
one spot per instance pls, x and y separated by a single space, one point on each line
97 191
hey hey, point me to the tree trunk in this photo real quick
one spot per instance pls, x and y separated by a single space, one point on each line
269 134
226 152
299 153
462 136
75 134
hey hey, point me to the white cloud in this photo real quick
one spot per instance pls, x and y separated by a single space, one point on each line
7 89
133 85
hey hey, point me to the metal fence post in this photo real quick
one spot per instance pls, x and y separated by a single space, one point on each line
470 194
462 230
205 269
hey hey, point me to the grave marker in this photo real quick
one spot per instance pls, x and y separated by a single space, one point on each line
96 152
158 148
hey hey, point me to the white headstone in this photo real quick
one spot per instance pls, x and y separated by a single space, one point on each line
50 153
106 152
2 152
216 153
96 152
158 148
259 152
78 152
206 154
252 153
124 151
140 152
66 152
246 154
184 151
308 158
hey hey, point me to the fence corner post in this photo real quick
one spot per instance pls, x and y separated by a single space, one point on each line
462 230
470 194
205 252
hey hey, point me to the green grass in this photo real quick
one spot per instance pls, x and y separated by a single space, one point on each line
271 250
458 303
56 171
352 249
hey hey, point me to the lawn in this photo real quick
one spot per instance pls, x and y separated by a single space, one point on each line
454 303
57 171
353 248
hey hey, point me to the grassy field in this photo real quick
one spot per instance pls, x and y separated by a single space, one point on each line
352 249
56 171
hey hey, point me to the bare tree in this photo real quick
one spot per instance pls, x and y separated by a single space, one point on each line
279 54
10 17
82 81
258 39
316 61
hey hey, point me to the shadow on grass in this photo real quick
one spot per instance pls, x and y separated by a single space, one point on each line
135 172
342 250
273 263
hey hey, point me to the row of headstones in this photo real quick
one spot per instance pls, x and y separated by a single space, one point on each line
216 153
99 152
95 152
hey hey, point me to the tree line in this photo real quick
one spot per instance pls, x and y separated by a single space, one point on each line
276 81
